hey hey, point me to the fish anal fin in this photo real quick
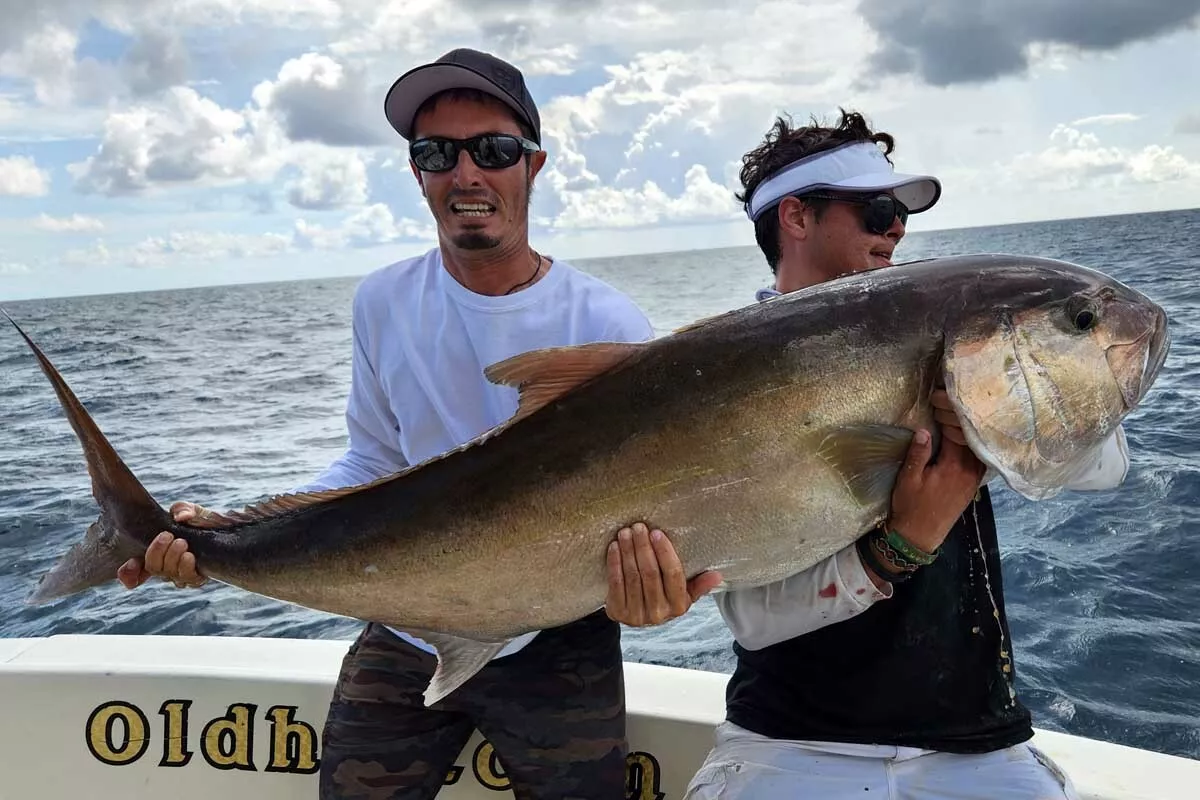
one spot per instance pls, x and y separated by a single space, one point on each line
458 658
543 376
868 458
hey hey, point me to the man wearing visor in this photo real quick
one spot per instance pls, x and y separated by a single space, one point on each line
867 675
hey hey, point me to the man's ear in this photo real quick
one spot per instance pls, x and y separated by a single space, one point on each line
536 162
795 218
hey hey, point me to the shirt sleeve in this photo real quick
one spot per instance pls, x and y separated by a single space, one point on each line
631 325
373 450
833 590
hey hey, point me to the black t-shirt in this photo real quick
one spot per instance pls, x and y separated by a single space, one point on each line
930 667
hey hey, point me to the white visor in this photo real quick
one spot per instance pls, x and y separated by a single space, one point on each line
857 167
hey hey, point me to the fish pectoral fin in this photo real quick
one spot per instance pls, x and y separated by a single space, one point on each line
458 660
868 458
543 376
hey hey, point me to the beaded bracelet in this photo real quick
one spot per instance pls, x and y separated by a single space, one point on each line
869 554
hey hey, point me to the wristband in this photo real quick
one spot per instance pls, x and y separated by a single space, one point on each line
869 554
908 552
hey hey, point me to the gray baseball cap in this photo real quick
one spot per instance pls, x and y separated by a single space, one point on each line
463 68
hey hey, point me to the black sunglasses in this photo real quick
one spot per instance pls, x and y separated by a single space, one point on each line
488 151
878 212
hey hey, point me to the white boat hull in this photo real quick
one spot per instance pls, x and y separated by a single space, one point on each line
223 717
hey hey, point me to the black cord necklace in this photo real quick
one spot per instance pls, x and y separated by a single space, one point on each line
537 267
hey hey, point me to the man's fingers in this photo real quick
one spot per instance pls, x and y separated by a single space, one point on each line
615 605
634 604
188 572
919 451
940 399
947 419
703 583
954 434
678 600
156 552
170 566
131 575
657 609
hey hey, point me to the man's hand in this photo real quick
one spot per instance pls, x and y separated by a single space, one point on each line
928 498
166 557
946 417
646 585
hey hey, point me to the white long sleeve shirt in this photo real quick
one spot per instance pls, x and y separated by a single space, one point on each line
421 341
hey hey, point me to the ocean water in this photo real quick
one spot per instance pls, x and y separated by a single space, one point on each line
222 395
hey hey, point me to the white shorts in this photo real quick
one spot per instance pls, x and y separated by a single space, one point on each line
746 765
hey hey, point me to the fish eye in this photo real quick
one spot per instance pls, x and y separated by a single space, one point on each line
1085 319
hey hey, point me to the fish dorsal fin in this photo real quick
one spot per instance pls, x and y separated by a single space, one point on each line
276 506
543 376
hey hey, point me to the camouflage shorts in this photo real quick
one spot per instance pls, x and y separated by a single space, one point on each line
554 711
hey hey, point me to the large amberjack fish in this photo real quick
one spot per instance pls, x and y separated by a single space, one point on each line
762 440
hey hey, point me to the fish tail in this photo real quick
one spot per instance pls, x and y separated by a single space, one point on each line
129 516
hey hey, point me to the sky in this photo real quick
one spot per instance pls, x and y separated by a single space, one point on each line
152 144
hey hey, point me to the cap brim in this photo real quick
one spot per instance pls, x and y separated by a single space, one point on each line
917 192
418 85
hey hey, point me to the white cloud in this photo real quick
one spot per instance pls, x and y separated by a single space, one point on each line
1105 119
178 248
370 226
185 138
157 60
1075 159
330 180
373 225
72 224
20 176
701 200
315 98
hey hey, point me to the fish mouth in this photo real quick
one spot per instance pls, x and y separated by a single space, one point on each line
1156 353
1150 349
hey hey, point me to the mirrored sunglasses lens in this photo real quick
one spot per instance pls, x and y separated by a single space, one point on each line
435 155
496 151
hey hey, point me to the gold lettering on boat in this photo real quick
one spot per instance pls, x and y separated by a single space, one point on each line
225 741
175 733
293 744
100 733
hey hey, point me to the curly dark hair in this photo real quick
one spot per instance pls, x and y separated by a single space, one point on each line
785 144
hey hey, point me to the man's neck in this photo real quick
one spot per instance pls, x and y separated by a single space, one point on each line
794 274
494 272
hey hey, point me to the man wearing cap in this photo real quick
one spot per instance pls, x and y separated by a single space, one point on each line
424 329
863 676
